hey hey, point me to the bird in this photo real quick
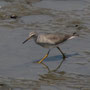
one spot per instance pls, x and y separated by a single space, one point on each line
50 40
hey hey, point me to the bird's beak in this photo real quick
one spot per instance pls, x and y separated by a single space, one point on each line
26 40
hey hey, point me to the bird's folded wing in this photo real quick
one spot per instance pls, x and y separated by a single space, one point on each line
51 39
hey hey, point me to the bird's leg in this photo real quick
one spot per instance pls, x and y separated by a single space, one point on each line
61 52
44 57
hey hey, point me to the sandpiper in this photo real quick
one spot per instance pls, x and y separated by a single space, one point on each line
50 40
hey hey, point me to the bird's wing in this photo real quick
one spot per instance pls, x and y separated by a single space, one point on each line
51 38
55 39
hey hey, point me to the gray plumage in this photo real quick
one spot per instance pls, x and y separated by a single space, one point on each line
47 40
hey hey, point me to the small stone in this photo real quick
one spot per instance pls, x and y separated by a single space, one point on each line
1 84
13 16
76 25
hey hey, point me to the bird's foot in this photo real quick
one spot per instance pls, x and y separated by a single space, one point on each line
39 62
36 61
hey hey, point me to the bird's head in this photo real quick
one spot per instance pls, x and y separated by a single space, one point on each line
31 35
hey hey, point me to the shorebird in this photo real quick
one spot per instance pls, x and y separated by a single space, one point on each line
50 40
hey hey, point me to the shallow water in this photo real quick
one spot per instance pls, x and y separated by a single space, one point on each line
62 5
18 67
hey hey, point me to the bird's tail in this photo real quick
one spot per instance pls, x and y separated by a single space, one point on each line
73 35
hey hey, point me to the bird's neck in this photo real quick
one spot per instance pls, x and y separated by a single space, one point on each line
35 38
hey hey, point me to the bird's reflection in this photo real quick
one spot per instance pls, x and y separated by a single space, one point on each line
56 58
58 67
